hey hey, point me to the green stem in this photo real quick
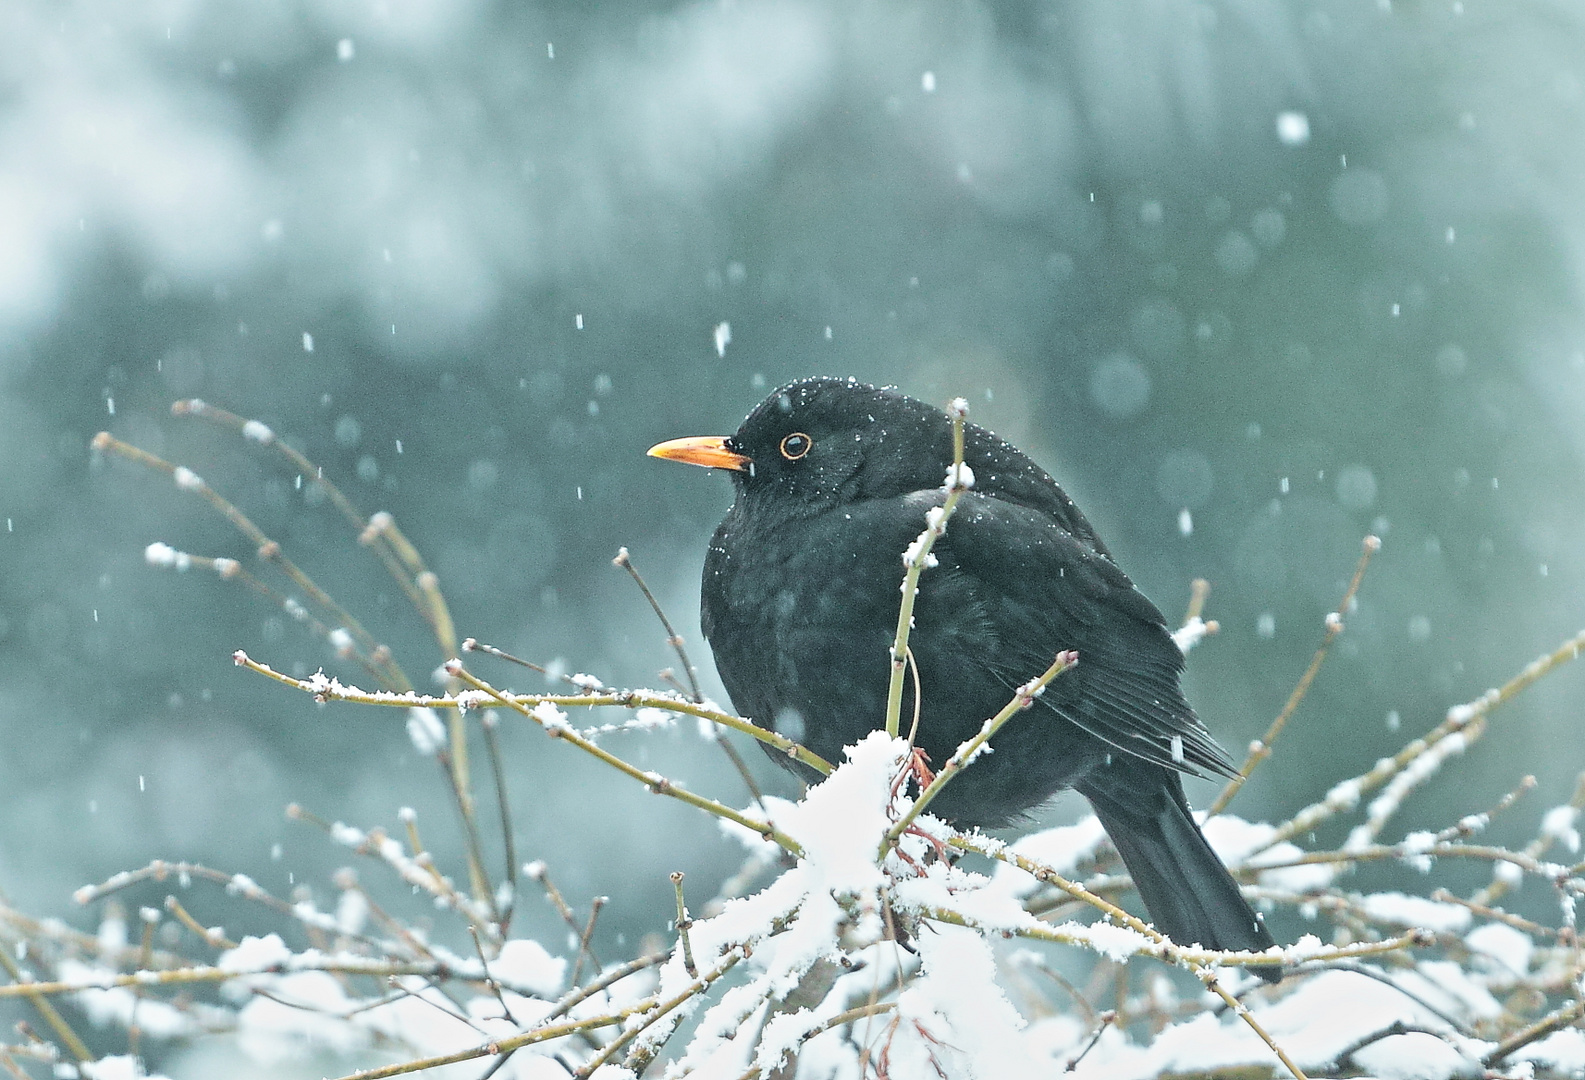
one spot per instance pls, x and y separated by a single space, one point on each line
916 562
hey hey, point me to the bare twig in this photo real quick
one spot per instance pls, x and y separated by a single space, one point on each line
1108 1018
1023 698
1260 750
653 781
1498 886
1554 1021
674 639
324 688
684 924
585 951
36 996
1467 722
917 558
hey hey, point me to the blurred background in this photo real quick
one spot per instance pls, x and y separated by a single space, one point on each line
1250 279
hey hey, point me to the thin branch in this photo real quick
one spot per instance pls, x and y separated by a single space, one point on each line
1260 750
211 936
1535 849
1108 1018
379 655
489 980
660 1011
653 781
267 549
1022 699
584 950
324 688
36 996
1554 1021
607 978
674 639
1467 721
841 1019
917 558
492 752
684 924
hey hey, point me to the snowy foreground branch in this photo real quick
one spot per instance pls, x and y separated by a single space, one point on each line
848 963
862 936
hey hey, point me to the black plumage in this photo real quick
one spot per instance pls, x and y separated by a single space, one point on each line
833 479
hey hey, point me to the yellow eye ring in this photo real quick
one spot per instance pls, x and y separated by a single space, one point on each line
796 446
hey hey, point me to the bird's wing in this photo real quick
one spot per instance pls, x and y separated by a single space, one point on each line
1044 590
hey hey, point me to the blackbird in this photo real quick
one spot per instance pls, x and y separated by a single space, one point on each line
800 598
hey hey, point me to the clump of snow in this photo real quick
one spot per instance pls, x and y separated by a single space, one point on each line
1415 1055
1401 909
161 554
1416 847
1344 795
1353 1005
1114 942
341 641
992 910
120 1067
1447 986
304 1012
841 822
1559 825
118 1006
425 731
549 717
1236 841
1509 874
1062 849
1509 947
915 551
956 1019
258 432
1562 1051
649 717
352 911
256 954
525 965
960 477
777 809
1190 634
112 935
1420 769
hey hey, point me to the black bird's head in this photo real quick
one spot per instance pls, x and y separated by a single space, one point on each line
824 441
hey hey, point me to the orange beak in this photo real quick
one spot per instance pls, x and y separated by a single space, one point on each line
707 450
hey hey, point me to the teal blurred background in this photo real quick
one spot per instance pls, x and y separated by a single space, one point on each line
1251 279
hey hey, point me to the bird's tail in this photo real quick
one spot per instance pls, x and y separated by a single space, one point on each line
1189 893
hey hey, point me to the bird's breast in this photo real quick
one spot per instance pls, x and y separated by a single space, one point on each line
829 570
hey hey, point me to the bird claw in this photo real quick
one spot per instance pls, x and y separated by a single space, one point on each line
918 767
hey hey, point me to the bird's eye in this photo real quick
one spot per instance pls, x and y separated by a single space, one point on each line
796 446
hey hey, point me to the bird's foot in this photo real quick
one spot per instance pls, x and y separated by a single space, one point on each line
918 767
